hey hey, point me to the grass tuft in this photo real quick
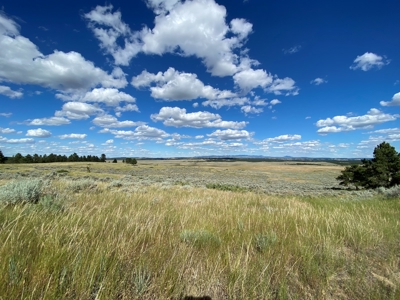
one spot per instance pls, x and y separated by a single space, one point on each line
200 238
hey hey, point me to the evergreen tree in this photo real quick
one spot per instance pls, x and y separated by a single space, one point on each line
2 158
115 161
103 158
36 158
28 159
73 157
18 158
381 171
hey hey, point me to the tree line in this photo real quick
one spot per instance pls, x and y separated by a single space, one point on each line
35 158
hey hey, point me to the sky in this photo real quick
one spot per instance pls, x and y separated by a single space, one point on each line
175 78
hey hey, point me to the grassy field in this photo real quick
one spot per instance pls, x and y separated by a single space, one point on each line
182 229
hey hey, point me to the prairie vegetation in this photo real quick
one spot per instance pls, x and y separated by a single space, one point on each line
174 229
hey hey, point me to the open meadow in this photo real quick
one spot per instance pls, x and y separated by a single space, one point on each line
180 229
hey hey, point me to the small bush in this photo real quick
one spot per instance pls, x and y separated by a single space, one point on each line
62 171
116 183
264 241
392 192
81 184
225 187
50 203
140 280
21 191
200 238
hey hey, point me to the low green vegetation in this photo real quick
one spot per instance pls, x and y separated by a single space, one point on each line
226 187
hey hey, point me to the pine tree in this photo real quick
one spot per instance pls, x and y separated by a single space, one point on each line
381 171
2 158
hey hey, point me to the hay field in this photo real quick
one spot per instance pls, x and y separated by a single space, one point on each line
179 229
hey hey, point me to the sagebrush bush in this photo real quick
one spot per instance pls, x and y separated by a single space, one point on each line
116 183
392 192
19 191
81 184
50 203
226 187
264 241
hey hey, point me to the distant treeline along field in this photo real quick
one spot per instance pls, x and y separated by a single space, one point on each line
20 159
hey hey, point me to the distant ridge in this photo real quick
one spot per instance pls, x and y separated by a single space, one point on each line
251 157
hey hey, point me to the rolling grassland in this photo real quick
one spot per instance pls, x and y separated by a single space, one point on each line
175 229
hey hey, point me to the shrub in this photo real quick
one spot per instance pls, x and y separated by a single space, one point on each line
225 187
140 280
81 184
392 192
264 241
21 191
131 161
50 203
116 183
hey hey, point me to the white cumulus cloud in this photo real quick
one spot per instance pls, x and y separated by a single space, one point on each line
142 132
395 101
66 72
344 123
248 109
369 60
112 122
283 138
7 130
108 96
174 85
177 117
78 111
7 91
189 28
73 136
52 121
231 134
40 133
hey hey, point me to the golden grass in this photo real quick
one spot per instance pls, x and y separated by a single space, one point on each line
122 244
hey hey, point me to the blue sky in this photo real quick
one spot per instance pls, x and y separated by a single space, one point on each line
166 78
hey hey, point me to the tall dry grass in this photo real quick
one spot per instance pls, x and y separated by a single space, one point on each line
168 243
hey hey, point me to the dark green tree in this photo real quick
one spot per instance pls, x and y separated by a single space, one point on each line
28 159
115 161
36 158
73 157
352 175
385 166
18 158
131 161
381 171
103 158
2 158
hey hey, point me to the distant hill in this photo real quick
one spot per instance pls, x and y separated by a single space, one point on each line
258 158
